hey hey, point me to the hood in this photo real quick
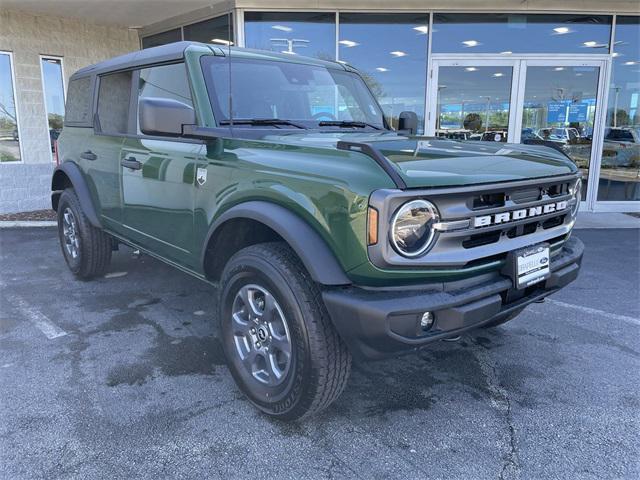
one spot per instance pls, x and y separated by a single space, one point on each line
432 162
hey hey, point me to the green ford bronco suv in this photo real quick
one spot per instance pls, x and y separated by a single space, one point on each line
329 235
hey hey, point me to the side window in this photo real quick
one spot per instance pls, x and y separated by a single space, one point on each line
113 102
79 98
165 81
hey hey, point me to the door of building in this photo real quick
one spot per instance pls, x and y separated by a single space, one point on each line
553 102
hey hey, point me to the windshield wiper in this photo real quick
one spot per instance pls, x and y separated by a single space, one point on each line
347 124
262 122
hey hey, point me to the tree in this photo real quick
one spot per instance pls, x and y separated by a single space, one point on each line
473 121
55 121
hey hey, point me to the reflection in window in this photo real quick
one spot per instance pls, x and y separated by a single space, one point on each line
311 34
473 103
559 111
390 51
169 36
508 33
215 30
9 136
53 86
620 165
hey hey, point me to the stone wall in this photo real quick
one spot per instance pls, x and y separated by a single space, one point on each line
22 185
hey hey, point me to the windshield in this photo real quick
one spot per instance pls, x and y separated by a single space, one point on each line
307 96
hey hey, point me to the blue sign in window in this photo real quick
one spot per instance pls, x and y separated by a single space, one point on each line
556 112
578 112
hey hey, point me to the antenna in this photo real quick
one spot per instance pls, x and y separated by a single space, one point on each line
230 77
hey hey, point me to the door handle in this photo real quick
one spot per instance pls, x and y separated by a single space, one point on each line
88 155
131 163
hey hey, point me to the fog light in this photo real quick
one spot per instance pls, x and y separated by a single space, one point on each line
426 322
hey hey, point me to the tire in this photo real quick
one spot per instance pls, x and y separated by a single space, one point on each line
502 320
270 279
86 249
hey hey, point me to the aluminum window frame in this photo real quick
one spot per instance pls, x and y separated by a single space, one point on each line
15 102
43 57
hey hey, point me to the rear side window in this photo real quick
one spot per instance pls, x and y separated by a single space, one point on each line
165 81
79 100
114 95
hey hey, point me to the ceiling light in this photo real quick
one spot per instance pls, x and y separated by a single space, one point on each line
423 29
590 44
382 69
498 74
348 43
615 54
559 69
282 28
471 69
630 63
221 41
561 30
398 53
471 43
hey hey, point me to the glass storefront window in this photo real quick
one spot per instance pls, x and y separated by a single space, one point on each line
158 39
217 30
53 88
620 165
311 34
9 136
390 51
559 111
473 102
508 33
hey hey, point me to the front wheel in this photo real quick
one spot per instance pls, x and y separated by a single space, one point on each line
281 347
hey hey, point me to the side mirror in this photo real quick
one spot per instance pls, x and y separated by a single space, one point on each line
408 122
164 116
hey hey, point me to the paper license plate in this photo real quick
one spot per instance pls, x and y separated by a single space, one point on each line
532 265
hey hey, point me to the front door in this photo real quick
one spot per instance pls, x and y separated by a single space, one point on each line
159 174
158 191
556 103
473 99
557 108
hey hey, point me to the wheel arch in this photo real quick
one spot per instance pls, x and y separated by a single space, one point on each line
69 175
261 221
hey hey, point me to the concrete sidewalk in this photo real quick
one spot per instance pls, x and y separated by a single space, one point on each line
607 220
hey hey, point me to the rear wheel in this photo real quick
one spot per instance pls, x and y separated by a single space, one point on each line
280 345
86 249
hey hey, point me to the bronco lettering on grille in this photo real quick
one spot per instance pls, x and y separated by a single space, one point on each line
504 217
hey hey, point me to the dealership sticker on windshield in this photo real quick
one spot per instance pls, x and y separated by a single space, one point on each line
532 265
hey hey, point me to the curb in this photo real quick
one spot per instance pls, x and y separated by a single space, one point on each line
27 223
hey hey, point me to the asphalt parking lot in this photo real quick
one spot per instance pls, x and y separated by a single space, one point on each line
123 377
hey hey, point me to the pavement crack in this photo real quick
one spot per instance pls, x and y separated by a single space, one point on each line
500 401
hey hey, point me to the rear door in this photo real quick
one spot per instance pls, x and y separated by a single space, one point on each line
101 158
158 174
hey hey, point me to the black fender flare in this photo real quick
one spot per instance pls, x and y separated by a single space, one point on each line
312 250
74 174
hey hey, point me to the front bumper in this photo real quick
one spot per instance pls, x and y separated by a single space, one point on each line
377 323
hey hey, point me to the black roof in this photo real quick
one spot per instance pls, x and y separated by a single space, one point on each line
163 53
175 51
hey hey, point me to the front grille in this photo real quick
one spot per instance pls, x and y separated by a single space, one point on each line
482 223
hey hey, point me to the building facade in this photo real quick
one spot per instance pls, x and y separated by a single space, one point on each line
564 74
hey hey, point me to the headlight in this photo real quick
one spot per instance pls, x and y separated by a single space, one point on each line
412 227
576 191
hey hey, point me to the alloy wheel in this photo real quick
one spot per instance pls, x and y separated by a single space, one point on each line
261 335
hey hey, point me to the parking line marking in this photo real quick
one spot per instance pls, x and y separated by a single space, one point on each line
594 311
40 320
